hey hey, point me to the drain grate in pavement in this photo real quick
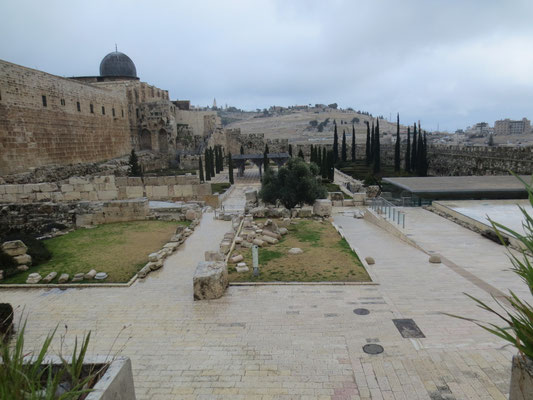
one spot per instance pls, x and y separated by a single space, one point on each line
361 311
408 328
372 348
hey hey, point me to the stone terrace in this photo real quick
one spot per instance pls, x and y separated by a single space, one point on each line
296 341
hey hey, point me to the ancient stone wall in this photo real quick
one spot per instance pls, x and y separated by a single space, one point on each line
148 160
41 218
46 119
462 160
106 188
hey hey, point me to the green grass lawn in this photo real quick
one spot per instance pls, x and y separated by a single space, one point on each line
220 187
120 249
333 187
326 257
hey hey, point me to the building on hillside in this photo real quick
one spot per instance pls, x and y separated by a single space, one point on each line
510 127
48 120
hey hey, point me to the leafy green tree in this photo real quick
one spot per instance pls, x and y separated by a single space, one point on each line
134 167
335 144
377 150
344 150
201 169
230 168
294 184
397 146
353 143
408 151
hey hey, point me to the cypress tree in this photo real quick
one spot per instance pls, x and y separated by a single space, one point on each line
353 143
212 161
414 150
301 154
408 151
426 164
377 150
331 166
367 149
207 158
217 163
344 150
420 155
221 151
372 143
397 146
230 168
201 168
312 158
290 150
265 161
323 165
318 156
266 149
335 145
242 149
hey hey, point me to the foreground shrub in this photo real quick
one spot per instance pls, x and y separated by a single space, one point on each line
6 321
23 376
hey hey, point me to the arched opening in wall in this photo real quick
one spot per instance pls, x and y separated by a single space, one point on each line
163 141
146 140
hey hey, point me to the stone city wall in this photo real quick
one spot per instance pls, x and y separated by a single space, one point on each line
465 160
106 188
40 123
149 161
454 160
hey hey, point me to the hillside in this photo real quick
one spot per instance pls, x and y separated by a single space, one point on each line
303 125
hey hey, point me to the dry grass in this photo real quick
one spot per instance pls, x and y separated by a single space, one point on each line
120 249
326 257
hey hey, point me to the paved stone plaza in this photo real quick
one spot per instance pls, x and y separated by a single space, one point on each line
300 341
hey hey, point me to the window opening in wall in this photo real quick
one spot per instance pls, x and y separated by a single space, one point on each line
62 102
44 100
113 111
122 113
78 106
103 110
92 108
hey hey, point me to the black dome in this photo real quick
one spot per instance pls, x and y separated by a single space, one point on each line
117 64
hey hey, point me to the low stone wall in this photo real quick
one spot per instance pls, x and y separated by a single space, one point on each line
105 188
42 218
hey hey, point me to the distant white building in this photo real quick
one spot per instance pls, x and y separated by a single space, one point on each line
509 127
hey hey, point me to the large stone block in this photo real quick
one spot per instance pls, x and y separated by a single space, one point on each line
210 280
160 192
133 192
14 248
322 208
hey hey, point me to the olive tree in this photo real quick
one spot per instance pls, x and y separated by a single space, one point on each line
293 184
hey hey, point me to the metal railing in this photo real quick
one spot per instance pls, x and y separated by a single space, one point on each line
388 211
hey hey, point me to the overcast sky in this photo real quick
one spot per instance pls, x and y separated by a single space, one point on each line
450 63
